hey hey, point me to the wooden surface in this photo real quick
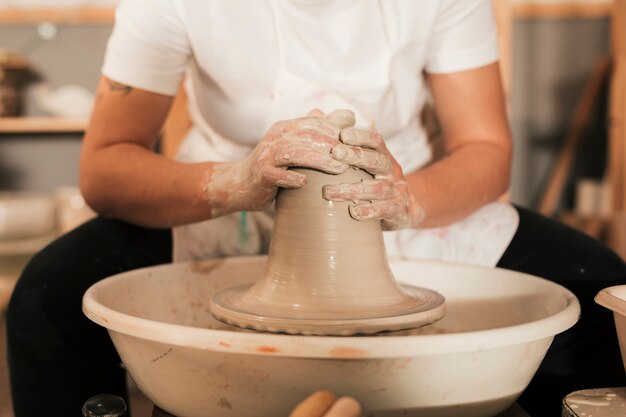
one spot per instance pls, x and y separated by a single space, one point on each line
176 126
561 10
567 154
105 15
503 12
513 411
21 125
73 15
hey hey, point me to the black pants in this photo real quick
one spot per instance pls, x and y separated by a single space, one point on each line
58 358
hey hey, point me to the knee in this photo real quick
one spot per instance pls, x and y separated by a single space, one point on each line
29 316
46 302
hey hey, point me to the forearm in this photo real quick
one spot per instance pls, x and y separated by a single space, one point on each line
461 182
131 183
476 169
122 178
120 175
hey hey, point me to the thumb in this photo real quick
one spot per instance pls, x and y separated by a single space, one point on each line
315 113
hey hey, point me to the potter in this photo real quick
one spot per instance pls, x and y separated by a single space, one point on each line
252 72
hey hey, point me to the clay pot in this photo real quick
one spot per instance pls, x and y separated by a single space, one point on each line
326 272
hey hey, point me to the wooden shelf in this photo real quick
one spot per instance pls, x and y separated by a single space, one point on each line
105 15
78 15
561 10
23 125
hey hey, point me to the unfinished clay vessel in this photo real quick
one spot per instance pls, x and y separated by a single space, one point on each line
326 273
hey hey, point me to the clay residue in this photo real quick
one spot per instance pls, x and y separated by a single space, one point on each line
161 356
224 403
348 352
220 377
205 266
389 367
267 349
224 344
598 400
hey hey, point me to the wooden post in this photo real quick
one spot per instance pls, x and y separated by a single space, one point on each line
565 157
503 12
617 128
176 126
562 9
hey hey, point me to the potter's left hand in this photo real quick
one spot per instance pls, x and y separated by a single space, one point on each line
386 197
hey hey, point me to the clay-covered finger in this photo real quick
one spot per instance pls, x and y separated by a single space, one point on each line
305 155
318 124
308 145
315 405
365 190
341 118
315 113
281 177
377 210
374 162
361 137
312 123
312 136
344 407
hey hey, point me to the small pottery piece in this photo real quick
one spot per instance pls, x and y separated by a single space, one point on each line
326 273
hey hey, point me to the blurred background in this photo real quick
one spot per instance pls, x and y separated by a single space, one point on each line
559 69
551 51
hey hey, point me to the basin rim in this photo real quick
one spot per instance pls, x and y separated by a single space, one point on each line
331 347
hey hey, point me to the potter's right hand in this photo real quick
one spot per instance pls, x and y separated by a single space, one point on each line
251 184
324 404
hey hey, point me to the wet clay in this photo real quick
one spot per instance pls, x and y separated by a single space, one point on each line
326 272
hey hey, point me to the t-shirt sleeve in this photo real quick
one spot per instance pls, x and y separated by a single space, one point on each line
464 36
149 47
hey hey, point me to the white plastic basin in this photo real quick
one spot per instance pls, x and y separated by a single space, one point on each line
474 362
614 298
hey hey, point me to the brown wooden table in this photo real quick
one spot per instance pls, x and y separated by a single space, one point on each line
513 411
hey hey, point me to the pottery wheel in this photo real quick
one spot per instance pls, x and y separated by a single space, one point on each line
240 307
326 273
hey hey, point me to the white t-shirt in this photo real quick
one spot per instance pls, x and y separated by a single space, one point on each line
250 63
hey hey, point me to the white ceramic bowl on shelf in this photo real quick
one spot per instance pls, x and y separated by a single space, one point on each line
25 215
474 362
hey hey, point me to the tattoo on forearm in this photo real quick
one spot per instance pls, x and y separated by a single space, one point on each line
115 86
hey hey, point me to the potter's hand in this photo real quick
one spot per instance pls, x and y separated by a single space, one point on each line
251 184
324 404
387 196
